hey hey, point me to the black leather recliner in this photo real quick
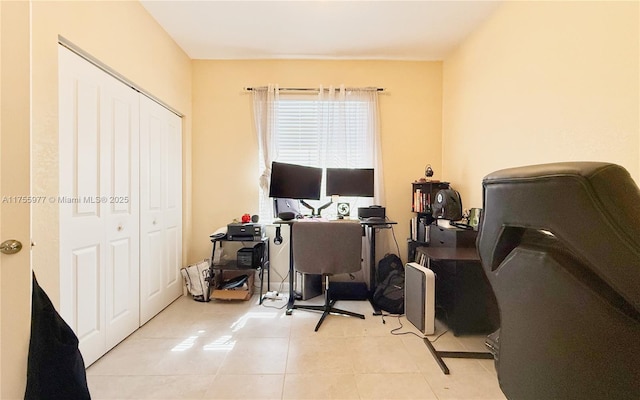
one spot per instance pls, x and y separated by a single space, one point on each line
560 244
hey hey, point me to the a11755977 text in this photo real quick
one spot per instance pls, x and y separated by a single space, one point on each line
65 199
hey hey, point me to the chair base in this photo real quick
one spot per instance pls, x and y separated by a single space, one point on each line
327 308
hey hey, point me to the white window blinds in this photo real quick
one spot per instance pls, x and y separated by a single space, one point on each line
337 129
316 133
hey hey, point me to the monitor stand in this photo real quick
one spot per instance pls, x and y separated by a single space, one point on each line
313 210
322 207
314 213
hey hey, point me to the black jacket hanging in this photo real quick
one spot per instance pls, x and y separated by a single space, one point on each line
55 368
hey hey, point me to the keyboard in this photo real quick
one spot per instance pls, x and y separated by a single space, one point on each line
374 219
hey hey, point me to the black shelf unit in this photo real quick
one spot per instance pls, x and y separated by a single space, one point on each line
232 264
423 196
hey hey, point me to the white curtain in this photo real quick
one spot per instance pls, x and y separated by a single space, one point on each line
265 116
343 132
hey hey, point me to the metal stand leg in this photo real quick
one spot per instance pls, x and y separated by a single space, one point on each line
372 268
292 295
328 307
439 355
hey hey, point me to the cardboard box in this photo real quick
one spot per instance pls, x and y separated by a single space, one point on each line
233 294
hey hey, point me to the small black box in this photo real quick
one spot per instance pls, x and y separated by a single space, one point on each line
250 257
372 211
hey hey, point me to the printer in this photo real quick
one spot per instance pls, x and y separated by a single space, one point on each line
244 232
372 212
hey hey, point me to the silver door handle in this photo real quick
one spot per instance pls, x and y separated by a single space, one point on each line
10 246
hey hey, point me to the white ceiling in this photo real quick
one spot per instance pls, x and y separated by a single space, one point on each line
393 30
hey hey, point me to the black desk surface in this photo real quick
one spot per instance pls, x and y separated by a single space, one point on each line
451 253
366 221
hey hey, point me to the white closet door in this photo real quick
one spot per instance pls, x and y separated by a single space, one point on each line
160 208
98 200
121 125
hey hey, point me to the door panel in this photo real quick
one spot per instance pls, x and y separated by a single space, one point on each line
123 149
151 281
87 293
87 301
173 243
81 222
122 287
161 208
121 127
155 155
173 212
99 173
121 266
86 179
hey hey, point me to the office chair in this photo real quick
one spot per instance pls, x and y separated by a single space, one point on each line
327 248
560 245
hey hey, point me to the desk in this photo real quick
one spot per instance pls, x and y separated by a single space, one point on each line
462 289
372 225
462 293
451 253
367 224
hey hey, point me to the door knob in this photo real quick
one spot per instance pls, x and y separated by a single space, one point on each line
10 246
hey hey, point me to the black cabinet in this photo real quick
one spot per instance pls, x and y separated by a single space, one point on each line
464 299
441 236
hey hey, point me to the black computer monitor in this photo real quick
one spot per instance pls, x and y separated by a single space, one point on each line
291 181
350 182
286 206
299 182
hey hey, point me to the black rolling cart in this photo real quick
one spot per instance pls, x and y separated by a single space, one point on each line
253 256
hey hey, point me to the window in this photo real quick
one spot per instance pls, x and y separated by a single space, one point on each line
308 134
313 131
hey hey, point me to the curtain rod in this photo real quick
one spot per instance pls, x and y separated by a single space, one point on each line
248 89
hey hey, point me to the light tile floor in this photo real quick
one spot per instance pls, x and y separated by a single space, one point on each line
242 350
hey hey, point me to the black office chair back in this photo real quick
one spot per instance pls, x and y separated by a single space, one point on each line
560 244
327 247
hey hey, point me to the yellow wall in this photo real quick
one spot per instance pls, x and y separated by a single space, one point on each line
15 271
543 82
123 36
225 161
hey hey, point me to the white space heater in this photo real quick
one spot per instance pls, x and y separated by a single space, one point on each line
419 297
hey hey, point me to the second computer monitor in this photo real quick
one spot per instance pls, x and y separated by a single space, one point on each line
350 182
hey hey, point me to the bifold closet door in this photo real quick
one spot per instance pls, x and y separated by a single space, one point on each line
99 205
160 208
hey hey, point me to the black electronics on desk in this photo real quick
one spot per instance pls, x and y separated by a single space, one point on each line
286 209
372 212
250 257
244 232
